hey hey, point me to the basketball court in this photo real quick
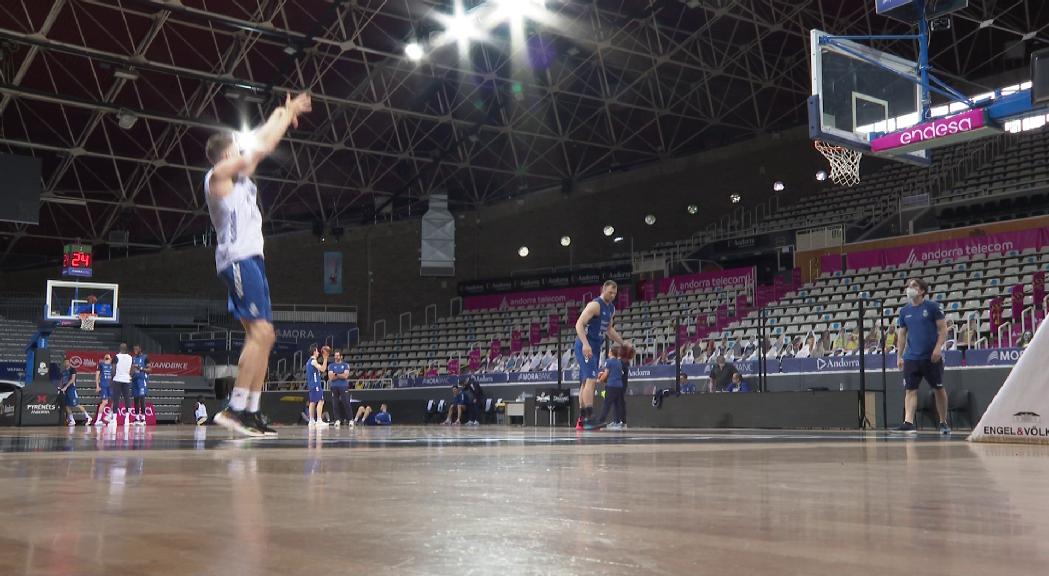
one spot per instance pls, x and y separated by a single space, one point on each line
435 500
804 498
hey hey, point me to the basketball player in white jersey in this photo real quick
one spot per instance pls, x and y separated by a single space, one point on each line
122 382
233 204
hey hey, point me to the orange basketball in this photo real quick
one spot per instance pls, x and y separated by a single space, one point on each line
92 299
326 350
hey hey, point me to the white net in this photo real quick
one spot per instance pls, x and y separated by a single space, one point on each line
87 322
844 163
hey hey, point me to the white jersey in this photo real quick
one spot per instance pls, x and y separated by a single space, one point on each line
237 221
122 373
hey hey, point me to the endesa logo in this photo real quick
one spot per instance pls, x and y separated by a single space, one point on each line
950 126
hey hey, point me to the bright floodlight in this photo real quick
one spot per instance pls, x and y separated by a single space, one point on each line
821 176
461 26
693 209
517 10
566 241
522 251
609 230
414 52
247 141
617 239
779 186
735 198
650 219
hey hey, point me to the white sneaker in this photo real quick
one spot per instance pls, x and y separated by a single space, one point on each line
353 423
71 422
311 423
338 424
88 422
321 424
100 421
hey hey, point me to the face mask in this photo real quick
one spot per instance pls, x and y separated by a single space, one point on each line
912 293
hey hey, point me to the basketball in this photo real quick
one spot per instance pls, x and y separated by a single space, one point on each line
92 299
326 350
626 352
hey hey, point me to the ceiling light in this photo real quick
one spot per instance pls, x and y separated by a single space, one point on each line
650 219
609 230
617 239
693 209
821 176
779 186
126 120
735 198
566 241
414 52
522 251
246 140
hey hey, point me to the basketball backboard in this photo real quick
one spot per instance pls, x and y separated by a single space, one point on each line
66 300
858 91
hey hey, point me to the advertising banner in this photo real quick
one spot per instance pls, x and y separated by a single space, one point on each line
705 281
949 249
86 361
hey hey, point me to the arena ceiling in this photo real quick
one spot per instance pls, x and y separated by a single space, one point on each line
118 97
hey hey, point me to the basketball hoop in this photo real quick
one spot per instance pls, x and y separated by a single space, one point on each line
844 163
87 321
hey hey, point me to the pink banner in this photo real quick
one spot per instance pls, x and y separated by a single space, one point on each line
475 359
1038 289
974 245
560 298
830 263
535 335
553 325
1017 302
496 349
707 281
942 131
160 364
996 316
722 314
515 342
453 366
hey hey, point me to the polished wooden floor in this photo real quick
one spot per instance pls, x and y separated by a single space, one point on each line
495 500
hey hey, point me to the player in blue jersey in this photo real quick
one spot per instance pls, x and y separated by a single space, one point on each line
595 322
68 387
920 334
139 383
316 367
103 378
232 200
339 381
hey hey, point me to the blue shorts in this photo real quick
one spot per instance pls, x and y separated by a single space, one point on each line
71 398
103 392
916 370
249 291
588 369
316 394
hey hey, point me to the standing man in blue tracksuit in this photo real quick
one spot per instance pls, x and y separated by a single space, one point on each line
595 322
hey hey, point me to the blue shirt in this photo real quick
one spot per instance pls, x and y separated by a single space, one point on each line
920 322
383 418
67 376
615 373
597 327
339 368
460 398
140 362
313 376
742 387
105 373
